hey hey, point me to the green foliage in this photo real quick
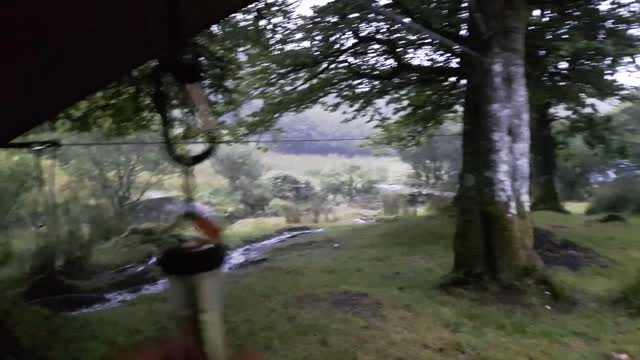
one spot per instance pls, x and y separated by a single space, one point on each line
238 161
622 133
289 187
18 176
127 106
119 175
333 57
43 260
393 203
630 296
290 211
243 169
223 199
316 123
73 228
350 182
6 252
392 269
436 163
255 195
577 163
620 196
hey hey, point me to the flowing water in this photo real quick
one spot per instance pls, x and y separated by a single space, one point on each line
235 259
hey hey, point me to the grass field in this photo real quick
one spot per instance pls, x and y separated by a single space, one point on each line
376 296
301 165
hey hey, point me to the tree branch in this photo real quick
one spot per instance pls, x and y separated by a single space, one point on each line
419 28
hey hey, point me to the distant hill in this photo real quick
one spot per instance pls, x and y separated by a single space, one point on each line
319 124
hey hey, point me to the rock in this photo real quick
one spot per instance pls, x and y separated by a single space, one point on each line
163 210
612 218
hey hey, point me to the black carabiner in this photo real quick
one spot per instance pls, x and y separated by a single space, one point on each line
184 72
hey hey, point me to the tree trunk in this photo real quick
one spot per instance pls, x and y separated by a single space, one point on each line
543 147
494 237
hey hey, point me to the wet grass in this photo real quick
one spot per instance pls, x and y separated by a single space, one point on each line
395 267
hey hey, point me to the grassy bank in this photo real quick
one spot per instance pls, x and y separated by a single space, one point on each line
370 292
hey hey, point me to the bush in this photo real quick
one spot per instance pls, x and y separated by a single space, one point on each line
393 203
291 212
350 182
289 187
242 167
618 196
254 195
236 162
320 206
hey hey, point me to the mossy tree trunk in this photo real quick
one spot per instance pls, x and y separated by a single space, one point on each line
493 239
545 194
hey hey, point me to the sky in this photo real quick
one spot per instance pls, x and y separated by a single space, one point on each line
305 5
627 78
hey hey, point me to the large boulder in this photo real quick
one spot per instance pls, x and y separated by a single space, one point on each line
163 210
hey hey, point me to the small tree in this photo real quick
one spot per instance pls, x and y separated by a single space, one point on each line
120 174
349 183
243 169
289 187
437 162
290 211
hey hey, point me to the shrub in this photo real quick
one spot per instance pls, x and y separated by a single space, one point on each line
288 210
254 195
289 187
319 206
620 195
237 161
393 202
242 167
350 182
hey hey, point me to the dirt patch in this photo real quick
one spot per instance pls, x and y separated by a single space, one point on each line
612 218
359 304
564 253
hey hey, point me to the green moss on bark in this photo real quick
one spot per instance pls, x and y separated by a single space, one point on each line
493 245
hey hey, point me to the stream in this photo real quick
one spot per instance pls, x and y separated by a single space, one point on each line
236 258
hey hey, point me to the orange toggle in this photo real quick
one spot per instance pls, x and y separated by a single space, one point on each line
209 229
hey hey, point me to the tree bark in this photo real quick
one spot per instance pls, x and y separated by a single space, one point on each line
493 239
543 147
